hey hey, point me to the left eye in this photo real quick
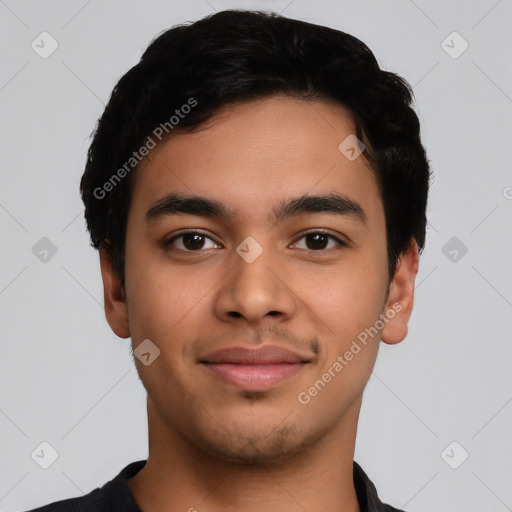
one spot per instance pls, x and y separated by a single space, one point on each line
318 241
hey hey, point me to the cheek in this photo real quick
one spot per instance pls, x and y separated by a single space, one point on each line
346 304
163 308
164 298
347 299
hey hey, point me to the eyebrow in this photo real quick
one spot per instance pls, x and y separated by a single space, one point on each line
175 204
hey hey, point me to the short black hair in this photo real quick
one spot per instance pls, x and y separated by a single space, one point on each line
190 71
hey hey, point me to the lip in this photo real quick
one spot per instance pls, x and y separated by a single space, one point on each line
254 369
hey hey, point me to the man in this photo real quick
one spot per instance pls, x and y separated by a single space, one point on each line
257 190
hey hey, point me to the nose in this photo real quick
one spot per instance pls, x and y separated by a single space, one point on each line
254 291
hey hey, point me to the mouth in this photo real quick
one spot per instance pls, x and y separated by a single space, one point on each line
254 377
254 369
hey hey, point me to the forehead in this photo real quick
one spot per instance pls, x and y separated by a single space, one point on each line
254 154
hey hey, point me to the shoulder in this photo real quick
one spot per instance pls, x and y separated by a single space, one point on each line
389 508
111 497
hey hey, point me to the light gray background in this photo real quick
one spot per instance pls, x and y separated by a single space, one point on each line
68 380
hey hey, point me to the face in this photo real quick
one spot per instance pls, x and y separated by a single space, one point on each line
246 272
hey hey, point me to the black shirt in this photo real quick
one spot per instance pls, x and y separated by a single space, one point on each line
115 495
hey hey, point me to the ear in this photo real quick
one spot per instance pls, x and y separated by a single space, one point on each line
116 311
401 296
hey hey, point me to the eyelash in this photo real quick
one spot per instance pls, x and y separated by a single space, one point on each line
169 242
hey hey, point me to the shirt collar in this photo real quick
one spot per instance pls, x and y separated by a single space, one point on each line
366 492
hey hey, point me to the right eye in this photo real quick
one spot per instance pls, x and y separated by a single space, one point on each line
191 241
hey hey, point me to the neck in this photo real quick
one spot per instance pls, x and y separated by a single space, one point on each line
181 476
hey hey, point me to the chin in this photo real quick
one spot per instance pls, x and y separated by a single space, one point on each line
273 447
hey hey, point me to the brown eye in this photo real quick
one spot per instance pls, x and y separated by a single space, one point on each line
190 241
319 241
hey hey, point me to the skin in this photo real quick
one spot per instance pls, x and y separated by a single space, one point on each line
213 446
